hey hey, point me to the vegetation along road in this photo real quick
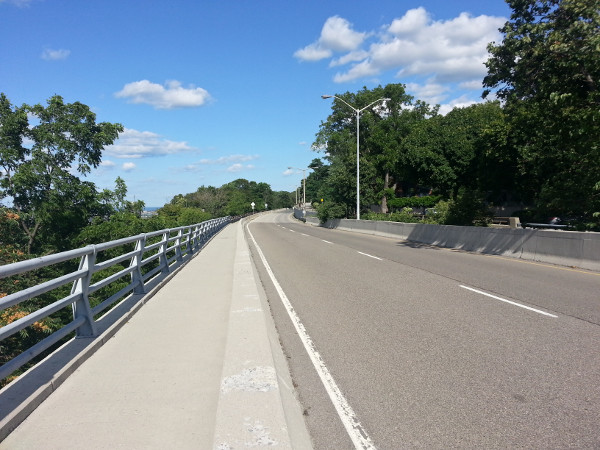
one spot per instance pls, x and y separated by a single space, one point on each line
427 347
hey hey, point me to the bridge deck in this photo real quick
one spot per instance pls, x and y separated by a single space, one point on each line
193 368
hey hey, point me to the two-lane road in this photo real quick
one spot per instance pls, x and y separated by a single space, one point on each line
429 347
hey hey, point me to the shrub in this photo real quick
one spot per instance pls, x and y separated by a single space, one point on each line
406 215
330 210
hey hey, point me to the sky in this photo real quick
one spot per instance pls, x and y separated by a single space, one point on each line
209 91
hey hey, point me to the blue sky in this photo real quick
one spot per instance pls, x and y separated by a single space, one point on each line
212 91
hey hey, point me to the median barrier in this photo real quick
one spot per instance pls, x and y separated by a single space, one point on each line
568 248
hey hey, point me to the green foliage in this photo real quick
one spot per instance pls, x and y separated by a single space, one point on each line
64 136
405 215
438 215
468 208
414 202
330 210
547 69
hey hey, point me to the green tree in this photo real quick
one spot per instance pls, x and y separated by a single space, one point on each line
65 137
547 69
383 127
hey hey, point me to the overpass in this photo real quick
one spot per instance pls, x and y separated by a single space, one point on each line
199 366
432 348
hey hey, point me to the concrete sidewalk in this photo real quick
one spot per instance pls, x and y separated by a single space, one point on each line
197 367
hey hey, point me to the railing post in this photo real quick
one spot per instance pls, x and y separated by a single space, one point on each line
196 237
81 307
191 242
178 245
164 262
136 262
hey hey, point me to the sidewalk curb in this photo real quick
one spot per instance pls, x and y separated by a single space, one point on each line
257 406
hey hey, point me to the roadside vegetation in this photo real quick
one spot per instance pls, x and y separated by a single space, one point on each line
534 147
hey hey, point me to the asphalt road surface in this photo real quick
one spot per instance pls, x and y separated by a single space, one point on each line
431 347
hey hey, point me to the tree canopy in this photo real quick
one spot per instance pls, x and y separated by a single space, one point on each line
546 70
38 177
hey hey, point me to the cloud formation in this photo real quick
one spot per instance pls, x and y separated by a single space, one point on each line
171 95
50 54
337 35
139 144
234 162
430 54
223 160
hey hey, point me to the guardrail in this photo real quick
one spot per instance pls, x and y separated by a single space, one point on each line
573 248
154 256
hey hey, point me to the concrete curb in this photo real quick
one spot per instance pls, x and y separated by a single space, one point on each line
256 406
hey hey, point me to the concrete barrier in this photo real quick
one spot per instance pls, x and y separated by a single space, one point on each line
568 248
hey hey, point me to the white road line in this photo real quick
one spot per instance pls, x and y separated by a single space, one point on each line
370 256
304 234
357 434
292 231
510 302
327 242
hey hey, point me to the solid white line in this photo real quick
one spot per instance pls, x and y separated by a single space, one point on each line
508 301
357 434
370 256
327 242
304 234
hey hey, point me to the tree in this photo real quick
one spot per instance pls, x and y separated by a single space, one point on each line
546 70
383 127
65 137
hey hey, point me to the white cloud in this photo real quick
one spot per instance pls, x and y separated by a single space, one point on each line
139 144
413 21
224 160
337 35
128 166
50 54
239 167
431 92
461 102
171 95
413 45
288 172
107 163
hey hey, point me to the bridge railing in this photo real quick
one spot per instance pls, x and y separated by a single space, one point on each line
145 258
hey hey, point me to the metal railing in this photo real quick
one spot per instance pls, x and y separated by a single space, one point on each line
154 256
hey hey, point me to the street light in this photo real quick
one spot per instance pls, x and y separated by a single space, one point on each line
357 111
303 184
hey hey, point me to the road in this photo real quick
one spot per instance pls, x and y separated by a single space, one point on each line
431 347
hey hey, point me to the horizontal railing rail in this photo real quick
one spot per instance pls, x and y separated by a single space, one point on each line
144 258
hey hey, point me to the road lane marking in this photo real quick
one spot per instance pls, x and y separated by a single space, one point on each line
370 256
508 301
354 428
327 242
304 234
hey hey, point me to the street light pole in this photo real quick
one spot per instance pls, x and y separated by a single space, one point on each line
357 111
303 185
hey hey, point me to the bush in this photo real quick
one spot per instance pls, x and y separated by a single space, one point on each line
404 216
330 210
468 208
414 202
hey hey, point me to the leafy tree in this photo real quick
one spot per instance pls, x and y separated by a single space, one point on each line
383 127
547 69
453 151
65 137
